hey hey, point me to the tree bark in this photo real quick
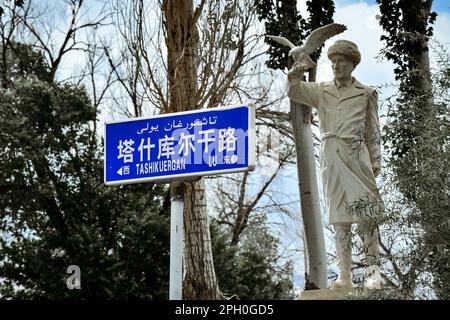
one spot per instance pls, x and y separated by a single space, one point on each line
316 266
182 45
423 58
200 281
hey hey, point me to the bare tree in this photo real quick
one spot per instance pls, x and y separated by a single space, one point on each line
239 196
44 32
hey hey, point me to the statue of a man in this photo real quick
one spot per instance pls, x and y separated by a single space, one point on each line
350 156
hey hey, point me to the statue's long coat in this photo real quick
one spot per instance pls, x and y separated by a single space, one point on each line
350 149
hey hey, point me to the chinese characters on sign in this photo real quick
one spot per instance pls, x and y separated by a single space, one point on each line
178 145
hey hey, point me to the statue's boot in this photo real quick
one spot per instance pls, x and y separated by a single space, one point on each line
372 275
342 282
373 278
343 239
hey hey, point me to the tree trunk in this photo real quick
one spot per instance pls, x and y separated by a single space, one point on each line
423 59
200 280
182 45
316 268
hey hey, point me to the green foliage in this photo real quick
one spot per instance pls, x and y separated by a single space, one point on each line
252 269
55 210
281 18
408 29
417 144
26 63
422 176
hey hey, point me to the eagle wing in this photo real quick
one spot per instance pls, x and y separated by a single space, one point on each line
282 40
320 35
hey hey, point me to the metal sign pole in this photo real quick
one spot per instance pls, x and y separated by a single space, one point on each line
176 241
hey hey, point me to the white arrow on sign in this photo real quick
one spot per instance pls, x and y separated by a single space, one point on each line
120 171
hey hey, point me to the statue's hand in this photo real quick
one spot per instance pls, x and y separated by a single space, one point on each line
297 71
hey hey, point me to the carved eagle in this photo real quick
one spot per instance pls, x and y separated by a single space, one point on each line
316 38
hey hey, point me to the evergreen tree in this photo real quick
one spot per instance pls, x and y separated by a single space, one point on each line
281 18
416 139
54 208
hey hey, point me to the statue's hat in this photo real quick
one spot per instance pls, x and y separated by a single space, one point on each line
345 48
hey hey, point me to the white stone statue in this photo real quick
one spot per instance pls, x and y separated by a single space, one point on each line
350 155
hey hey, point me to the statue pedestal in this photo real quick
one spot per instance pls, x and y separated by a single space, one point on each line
349 294
332 294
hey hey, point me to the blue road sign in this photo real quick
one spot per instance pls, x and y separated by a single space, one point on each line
177 146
